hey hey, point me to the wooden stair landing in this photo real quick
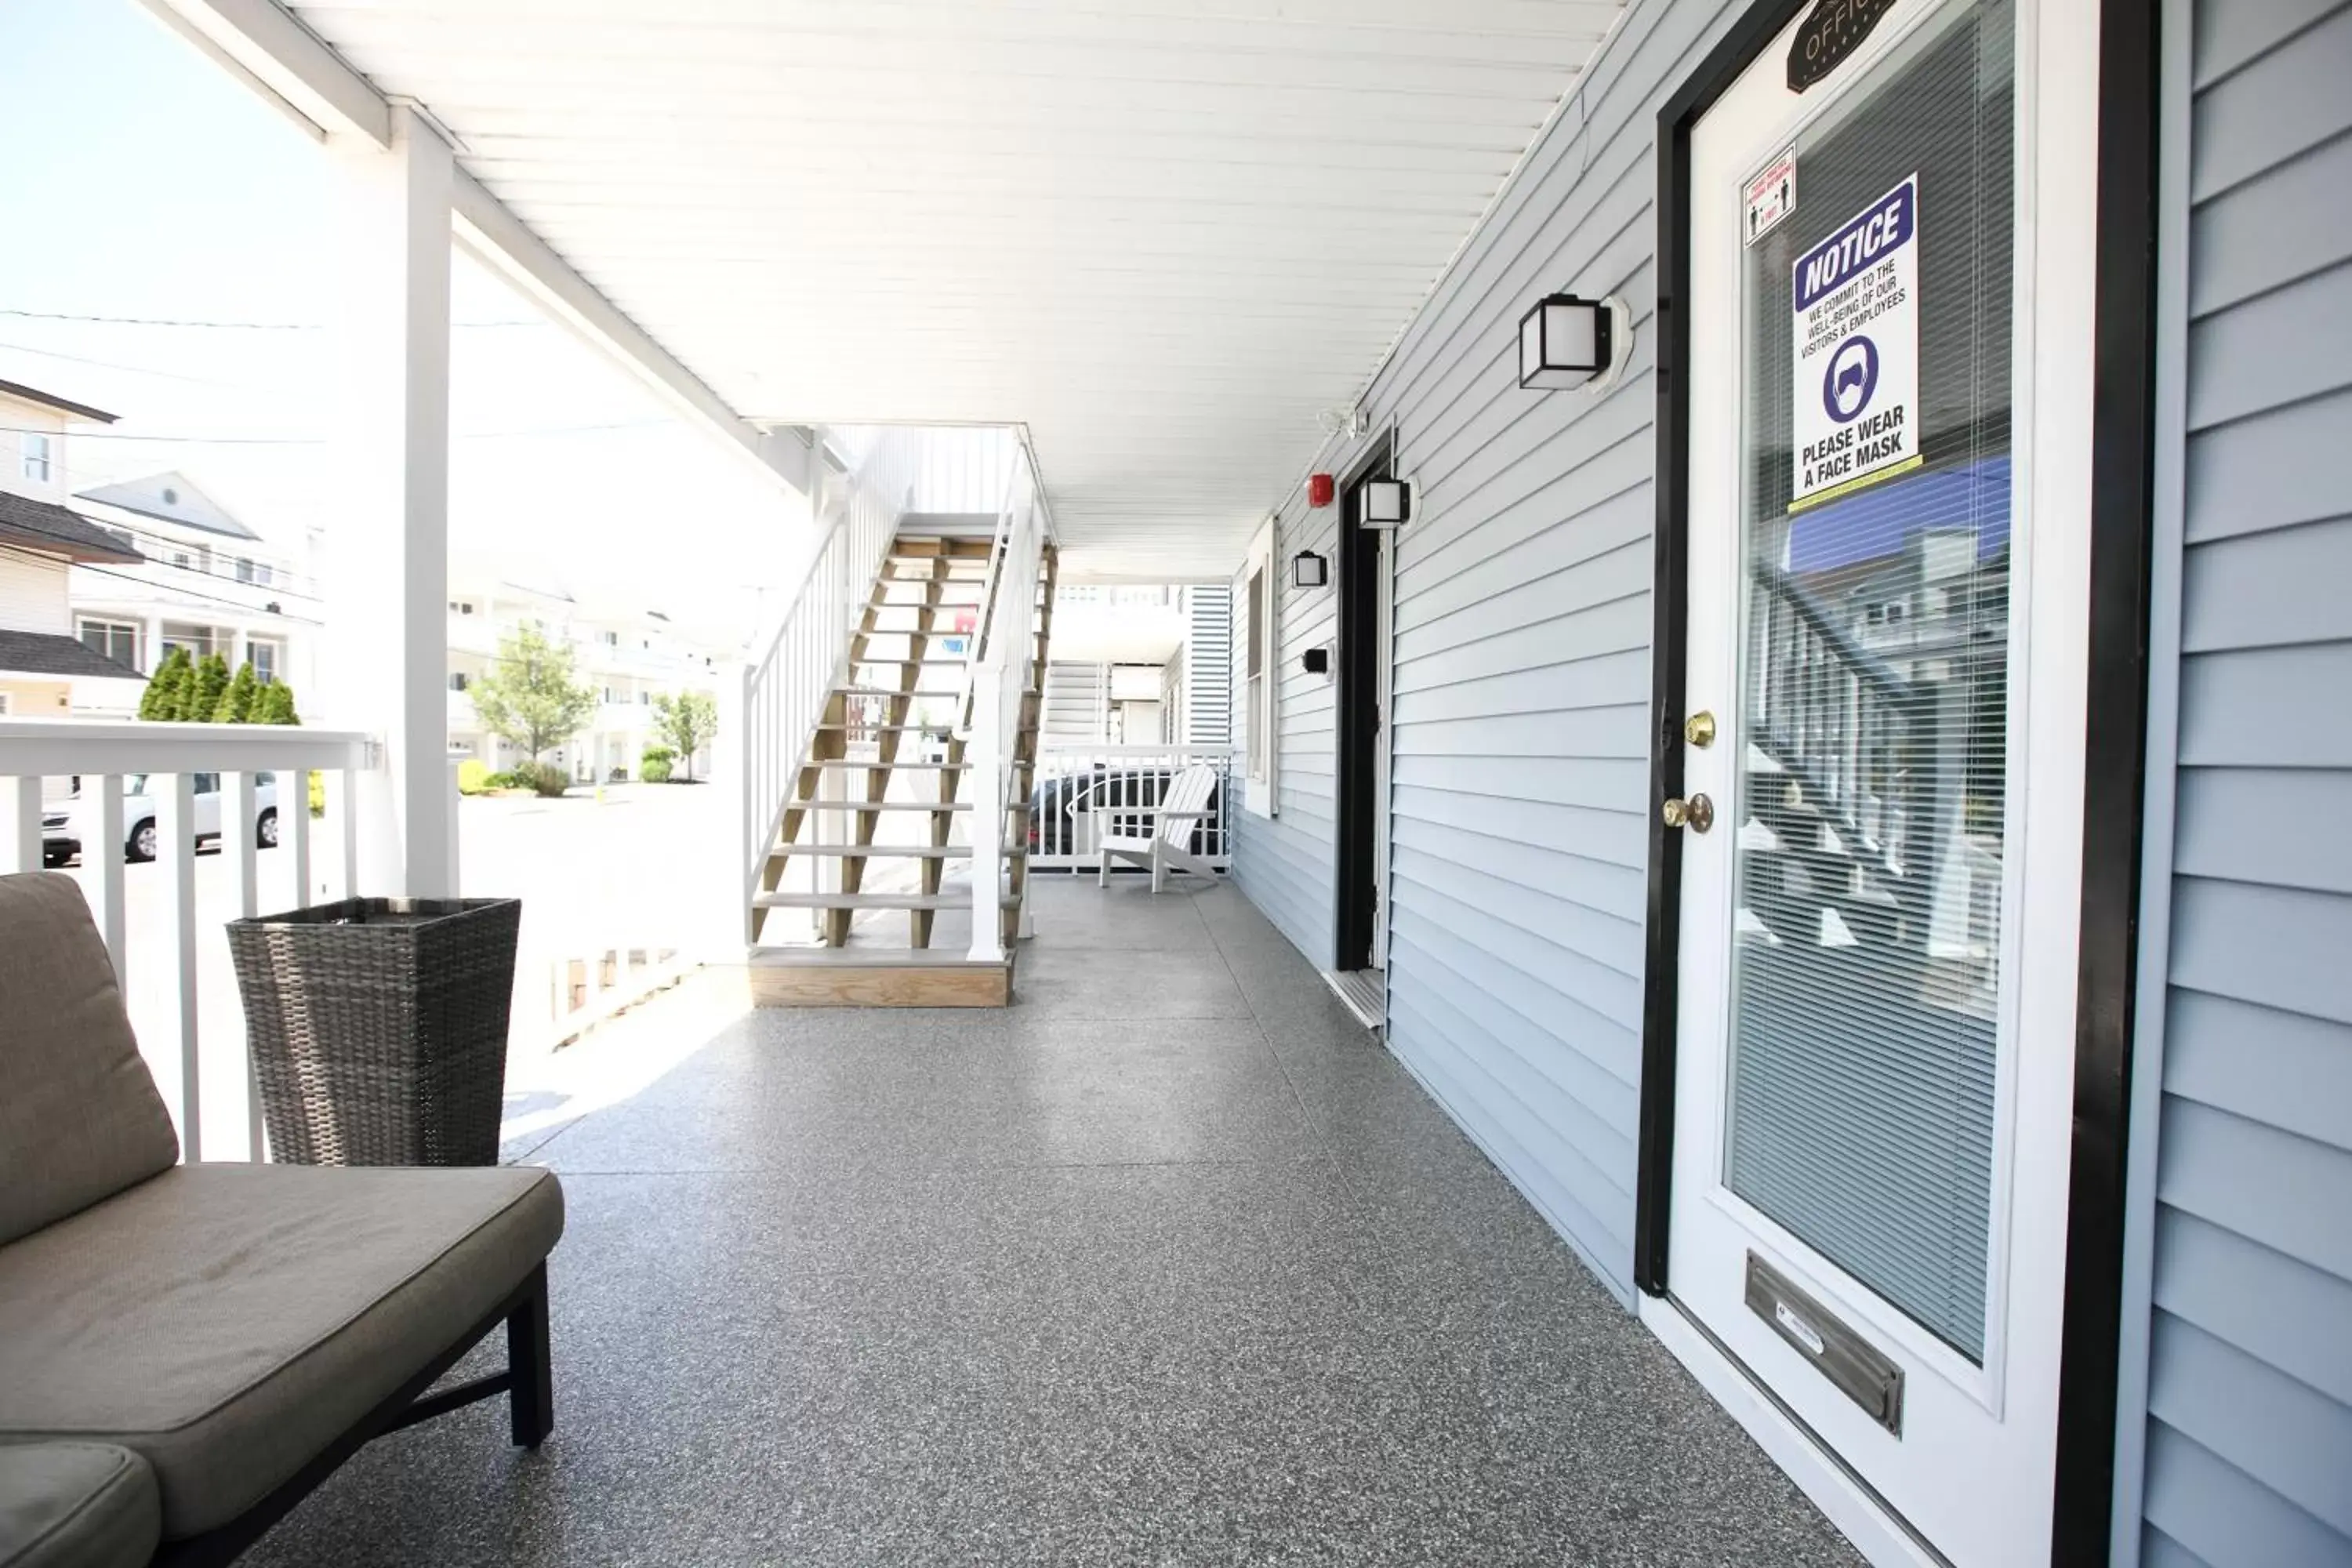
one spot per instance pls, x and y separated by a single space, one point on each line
875 977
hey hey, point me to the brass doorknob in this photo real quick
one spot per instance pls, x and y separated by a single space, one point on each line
1699 729
1697 813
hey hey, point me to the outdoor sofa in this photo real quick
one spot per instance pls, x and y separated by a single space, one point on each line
186 1351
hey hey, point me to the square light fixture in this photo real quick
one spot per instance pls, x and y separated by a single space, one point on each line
1565 342
1385 503
1308 569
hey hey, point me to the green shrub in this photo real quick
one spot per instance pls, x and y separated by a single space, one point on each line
654 765
545 778
473 776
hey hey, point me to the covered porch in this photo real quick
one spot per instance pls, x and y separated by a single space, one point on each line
1169 1261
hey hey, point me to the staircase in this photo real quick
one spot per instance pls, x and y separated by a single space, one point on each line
877 840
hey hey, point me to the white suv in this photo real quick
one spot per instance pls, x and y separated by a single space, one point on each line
67 830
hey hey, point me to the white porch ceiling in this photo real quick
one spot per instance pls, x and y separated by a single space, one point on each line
1165 235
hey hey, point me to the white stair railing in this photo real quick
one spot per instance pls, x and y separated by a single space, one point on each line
1007 642
780 696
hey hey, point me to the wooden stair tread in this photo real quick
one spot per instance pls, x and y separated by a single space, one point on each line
883 805
962 900
878 762
868 958
874 851
904 728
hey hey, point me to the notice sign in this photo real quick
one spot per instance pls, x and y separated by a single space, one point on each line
1771 196
1856 298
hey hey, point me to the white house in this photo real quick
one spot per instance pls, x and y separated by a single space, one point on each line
43 671
628 656
201 579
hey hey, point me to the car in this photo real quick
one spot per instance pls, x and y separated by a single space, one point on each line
66 829
1059 805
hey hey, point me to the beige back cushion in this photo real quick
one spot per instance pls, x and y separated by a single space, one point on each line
79 1117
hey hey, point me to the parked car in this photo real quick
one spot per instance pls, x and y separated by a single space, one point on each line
66 829
1058 805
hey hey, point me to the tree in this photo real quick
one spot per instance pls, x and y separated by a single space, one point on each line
161 700
276 705
529 697
685 723
237 700
205 695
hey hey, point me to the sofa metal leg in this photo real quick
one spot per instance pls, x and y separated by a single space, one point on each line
532 1399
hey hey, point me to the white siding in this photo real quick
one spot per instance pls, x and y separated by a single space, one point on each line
2248 1372
33 593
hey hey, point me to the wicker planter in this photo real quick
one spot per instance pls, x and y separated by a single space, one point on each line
378 1027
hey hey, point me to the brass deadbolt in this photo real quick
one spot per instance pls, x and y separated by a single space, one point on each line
1697 813
1699 729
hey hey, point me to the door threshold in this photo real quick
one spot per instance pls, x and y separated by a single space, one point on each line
1876 1531
1365 991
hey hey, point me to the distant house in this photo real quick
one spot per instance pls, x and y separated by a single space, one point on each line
45 671
627 656
202 580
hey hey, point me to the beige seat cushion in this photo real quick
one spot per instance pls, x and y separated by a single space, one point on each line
79 1117
76 1505
228 1322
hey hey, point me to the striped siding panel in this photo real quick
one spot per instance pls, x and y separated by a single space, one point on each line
1522 675
2250 1378
1209 666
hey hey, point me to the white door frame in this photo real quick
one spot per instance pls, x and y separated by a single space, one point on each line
2057 248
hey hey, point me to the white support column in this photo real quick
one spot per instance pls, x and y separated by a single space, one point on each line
387 651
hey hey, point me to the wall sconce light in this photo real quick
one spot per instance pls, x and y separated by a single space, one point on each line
1383 504
1566 341
1308 569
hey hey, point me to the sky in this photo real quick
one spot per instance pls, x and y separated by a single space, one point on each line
147 187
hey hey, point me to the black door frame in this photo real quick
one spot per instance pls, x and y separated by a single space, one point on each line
2123 446
1355 896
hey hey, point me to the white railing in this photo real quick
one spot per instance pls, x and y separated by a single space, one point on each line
1074 780
102 794
1005 646
769 714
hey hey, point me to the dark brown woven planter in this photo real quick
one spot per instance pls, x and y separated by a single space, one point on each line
378 1027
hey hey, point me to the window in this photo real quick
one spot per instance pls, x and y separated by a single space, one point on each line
266 656
457 680
610 695
461 606
610 639
253 571
38 450
4 705
1260 627
118 640
197 640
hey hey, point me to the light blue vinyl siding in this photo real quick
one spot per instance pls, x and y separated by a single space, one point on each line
1285 863
2249 1378
1520 765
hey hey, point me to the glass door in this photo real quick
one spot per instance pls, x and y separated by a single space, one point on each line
1866 669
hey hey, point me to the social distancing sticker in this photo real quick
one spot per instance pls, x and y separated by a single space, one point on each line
1856 298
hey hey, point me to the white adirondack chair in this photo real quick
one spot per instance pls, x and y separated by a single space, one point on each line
1170 841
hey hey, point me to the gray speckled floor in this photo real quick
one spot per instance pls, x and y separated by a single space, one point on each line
1168 1263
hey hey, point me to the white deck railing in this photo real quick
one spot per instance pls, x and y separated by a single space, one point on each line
164 921
769 714
1074 780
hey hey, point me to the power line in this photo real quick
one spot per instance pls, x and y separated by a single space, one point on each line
23 554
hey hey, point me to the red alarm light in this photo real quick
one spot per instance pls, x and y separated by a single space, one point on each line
1321 489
